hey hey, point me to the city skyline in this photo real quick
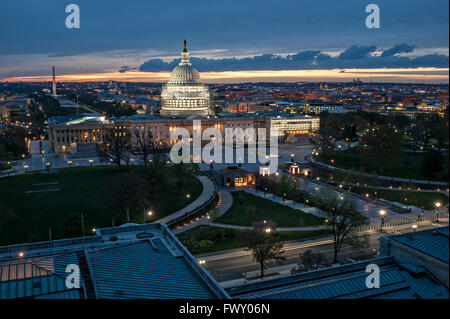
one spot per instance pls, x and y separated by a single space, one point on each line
311 42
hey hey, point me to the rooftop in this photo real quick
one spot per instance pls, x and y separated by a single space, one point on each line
145 261
433 242
397 281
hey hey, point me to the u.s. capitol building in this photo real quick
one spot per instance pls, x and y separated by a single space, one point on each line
184 98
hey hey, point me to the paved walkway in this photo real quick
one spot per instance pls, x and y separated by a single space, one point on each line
207 192
311 160
375 220
224 204
287 202
306 228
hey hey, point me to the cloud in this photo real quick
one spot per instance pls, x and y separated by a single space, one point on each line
356 56
126 68
357 52
398 48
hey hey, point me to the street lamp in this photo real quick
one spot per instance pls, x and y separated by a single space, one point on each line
265 191
382 213
69 163
438 204
149 214
268 230
414 227
25 168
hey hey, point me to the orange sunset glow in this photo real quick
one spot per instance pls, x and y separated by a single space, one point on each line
403 74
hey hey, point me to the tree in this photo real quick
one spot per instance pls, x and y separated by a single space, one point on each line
213 214
125 191
72 225
326 140
115 145
155 173
145 143
433 163
343 219
309 261
180 171
265 247
283 186
382 143
12 143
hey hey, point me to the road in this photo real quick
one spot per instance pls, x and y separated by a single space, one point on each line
232 265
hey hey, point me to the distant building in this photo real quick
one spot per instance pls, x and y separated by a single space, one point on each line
14 107
67 131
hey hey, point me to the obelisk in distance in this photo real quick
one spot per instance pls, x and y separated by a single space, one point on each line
54 82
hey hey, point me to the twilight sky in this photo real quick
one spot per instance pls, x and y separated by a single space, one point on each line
232 39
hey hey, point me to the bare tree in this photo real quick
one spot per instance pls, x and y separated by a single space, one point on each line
265 247
309 261
116 146
144 141
126 191
343 219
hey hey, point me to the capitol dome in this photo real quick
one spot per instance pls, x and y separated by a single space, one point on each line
184 74
185 94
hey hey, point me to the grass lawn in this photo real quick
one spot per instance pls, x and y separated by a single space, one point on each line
27 217
409 166
224 238
248 209
414 198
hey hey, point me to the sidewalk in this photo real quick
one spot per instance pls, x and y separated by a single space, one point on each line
207 193
298 206
224 204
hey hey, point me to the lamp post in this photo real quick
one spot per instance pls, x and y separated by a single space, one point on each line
265 191
284 198
438 204
292 157
382 213
149 213
414 227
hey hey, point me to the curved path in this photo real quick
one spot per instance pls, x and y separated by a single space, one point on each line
208 191
224 204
